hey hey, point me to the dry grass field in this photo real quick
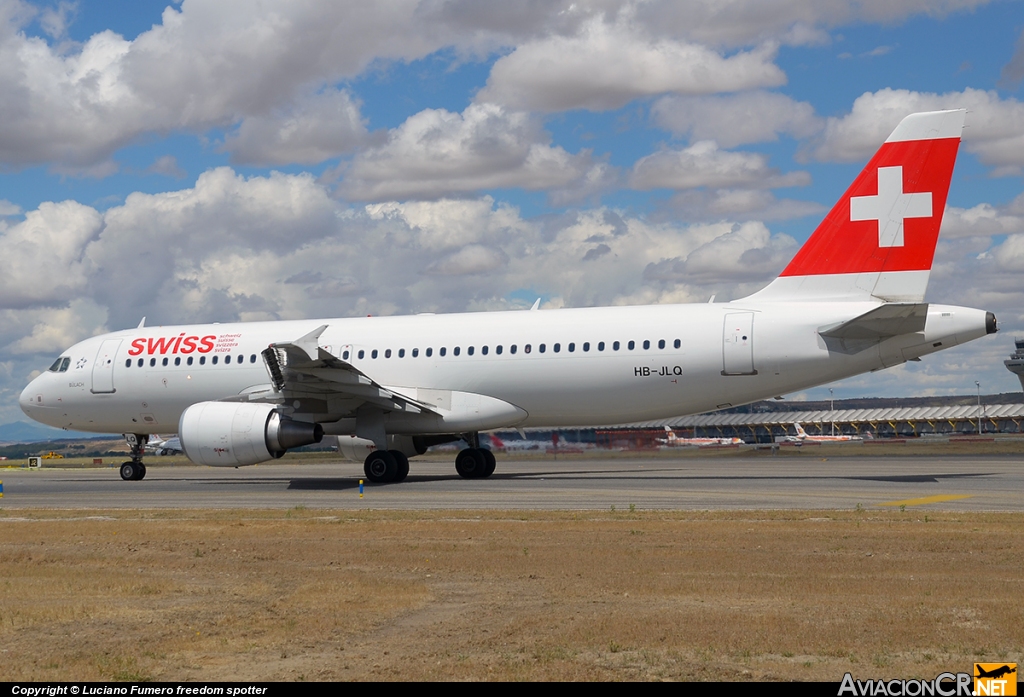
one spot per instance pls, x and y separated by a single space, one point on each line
613 595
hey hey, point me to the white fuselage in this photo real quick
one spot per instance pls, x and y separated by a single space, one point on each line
713 356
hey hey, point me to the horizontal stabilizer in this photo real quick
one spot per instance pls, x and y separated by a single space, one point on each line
887 320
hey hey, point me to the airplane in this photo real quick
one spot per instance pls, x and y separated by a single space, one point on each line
672 440
803 436
851 301
162 446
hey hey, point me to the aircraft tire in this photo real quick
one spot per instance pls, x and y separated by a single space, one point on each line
128 472
491 463
403 466
380 467
140 472
470 463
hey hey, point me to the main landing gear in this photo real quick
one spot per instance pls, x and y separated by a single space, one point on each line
386 466
392 466
134 470
475 463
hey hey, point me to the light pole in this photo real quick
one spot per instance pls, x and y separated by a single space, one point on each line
832 408
978 385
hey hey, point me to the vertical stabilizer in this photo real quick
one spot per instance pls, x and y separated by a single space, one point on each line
878 241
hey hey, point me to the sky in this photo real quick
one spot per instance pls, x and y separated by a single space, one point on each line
221 161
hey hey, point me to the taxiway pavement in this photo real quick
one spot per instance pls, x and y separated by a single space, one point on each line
990 483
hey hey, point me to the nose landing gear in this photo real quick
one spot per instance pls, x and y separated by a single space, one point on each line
135 470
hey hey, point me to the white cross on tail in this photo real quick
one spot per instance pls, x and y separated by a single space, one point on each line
891 206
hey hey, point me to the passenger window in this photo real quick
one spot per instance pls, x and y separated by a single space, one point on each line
165 361
512 349
215 360
202 360
387 353
470 350
141 361
190 360
586 345
252 358
344 355
661 343
483 350
227 359
497 349
401 353
415 352
677 343
455 351
430 352
127 364
443 350
362 353
647 344
600 346
572 347
542 348
632 345
556 348
373 353
177 360
615 345
526 349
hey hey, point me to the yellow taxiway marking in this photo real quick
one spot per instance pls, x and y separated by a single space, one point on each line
927 499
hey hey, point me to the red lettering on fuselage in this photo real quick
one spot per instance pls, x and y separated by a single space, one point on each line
179 344
159 345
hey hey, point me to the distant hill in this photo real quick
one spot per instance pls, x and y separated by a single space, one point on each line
24 432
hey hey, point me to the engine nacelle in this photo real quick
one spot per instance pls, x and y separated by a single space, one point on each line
228 434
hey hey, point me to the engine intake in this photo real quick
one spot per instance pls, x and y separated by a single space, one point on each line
229 434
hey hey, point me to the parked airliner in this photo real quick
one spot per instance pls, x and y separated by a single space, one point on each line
851 301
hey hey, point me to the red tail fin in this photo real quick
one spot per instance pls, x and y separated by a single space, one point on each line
878 241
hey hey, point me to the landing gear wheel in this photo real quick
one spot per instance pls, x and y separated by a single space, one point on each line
470 463
129 472
380 467
403 466
491 462
140 471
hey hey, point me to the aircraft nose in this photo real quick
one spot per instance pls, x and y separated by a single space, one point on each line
26 400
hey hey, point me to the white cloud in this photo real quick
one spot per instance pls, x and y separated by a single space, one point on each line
472 259
982 220
607 65
314 129
740 205
58 328
208 64
747 117
992 129
704 164
743 252
42 261
437 153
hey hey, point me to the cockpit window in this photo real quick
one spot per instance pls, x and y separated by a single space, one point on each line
56 365
65 364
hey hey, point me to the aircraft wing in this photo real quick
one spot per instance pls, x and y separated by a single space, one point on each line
304 373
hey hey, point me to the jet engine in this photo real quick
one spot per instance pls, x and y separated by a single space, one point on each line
229 434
